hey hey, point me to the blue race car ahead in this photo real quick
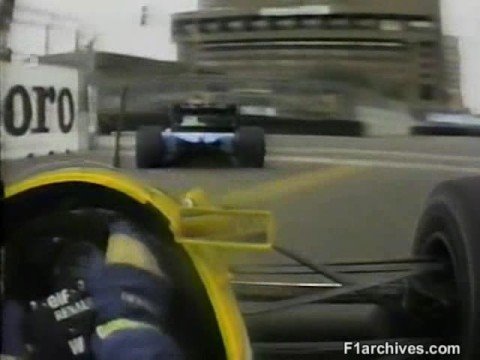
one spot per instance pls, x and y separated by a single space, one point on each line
196 128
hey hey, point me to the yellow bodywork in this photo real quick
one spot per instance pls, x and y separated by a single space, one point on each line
198 227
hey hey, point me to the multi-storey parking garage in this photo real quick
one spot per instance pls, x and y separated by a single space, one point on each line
392 47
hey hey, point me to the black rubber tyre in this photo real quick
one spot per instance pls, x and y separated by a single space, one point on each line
150 148
449 230
249 146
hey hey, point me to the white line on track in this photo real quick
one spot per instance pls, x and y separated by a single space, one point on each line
294 151
375 163
343 151
309 156
279 151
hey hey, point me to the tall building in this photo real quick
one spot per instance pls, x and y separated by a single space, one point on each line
451 58
392 47
6 12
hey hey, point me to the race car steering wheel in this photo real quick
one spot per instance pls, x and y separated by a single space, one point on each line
38 267
59 314
59 326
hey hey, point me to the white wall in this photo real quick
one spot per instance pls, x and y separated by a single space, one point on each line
53 138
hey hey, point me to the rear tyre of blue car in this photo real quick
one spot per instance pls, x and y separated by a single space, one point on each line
150 148
249 146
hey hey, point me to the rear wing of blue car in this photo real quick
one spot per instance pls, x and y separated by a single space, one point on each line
180 110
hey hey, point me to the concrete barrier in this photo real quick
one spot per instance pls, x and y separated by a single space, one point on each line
39 110
379 121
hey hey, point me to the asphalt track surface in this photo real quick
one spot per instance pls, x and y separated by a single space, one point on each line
334 198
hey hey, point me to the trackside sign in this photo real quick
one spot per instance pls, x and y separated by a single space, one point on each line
39 110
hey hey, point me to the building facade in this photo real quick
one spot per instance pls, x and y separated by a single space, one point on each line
394 48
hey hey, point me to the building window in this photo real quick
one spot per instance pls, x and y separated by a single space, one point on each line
427 92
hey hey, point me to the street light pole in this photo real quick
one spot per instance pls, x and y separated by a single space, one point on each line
120 122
